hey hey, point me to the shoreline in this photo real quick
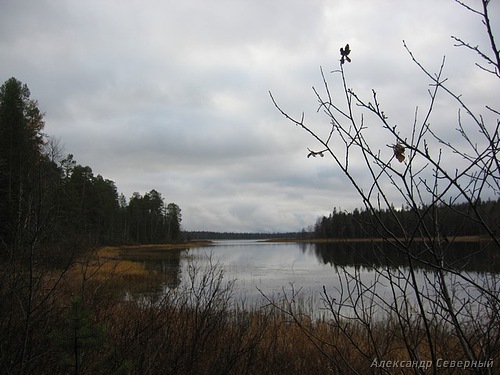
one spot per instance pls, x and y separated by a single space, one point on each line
460 239
116 251
120 251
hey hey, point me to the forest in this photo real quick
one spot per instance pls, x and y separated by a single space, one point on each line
455 220
45 196
207 235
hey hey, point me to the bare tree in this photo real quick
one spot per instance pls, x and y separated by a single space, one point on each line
427 170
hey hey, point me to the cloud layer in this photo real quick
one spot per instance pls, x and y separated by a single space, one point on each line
173 95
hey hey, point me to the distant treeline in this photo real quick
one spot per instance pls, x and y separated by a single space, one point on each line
447 220
206 235
46 197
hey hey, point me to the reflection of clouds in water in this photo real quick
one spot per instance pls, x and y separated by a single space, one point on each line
274 269
283 262
268 267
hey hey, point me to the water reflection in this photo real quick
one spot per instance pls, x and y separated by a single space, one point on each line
271 269
168 266
466 256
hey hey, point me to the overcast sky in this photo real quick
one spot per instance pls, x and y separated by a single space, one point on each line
173 95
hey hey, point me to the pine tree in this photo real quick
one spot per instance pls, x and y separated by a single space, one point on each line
21 141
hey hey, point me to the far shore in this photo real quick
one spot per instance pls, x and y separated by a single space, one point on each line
116 252
461 239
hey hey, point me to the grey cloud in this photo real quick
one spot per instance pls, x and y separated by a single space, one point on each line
174 95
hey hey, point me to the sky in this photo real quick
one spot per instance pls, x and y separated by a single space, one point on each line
174 95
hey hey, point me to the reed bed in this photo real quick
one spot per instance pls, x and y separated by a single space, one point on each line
88 327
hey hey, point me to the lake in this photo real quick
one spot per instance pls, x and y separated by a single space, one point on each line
266 269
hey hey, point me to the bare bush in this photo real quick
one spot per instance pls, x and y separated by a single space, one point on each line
426 169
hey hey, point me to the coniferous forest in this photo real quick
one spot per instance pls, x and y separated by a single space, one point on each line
45 195
455 220
51 196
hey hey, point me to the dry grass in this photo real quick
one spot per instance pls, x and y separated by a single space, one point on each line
179 335
146 251
125 263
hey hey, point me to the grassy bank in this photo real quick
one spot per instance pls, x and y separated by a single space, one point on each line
124 268
144 251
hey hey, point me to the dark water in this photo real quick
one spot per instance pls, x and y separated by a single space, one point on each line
263 270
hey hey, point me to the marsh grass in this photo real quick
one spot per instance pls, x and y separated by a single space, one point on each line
198 328
123 268
146 252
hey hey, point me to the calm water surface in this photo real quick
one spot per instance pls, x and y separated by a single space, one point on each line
266 268
261 269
